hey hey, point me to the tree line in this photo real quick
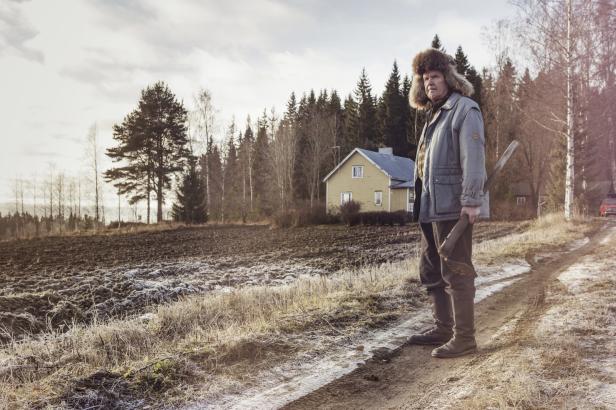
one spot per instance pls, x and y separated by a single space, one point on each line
261 168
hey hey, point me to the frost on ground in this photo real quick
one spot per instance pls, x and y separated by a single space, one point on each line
340 354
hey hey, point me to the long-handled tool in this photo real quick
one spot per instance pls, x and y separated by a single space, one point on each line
450 241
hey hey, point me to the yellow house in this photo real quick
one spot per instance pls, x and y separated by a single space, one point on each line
379 181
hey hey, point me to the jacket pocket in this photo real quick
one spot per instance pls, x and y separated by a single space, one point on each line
447 192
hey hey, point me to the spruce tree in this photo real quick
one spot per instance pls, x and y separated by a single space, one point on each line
461 60
291 112
245 159
215 182
350 127
231 180
477 82
190 206
261 169
335 109
413 122
394 115
469 72
436 43
368 135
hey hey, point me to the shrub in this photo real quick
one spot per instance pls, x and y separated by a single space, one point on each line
348 210
304 216
380 218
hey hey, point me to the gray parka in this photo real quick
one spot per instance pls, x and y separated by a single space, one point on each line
454 167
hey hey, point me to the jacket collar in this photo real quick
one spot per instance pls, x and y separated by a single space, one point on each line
451 101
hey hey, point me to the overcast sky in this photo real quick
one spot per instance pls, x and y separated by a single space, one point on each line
66 64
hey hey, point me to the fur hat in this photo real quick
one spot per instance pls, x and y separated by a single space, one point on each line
433 59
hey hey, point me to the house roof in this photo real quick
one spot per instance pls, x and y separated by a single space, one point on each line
393 166
402 184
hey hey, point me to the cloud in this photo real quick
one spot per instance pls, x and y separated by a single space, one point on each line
16 31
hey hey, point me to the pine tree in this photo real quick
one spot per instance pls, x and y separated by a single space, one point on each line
153 141
191 206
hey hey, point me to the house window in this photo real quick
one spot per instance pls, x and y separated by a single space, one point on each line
411 195
358 171
521 200
378 198
345 197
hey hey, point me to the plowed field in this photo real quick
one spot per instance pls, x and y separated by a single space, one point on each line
52 282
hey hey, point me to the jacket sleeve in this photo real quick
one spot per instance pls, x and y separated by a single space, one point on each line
472 158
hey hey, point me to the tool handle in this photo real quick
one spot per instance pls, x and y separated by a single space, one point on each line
446 248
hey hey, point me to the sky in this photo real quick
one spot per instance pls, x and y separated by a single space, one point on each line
68 64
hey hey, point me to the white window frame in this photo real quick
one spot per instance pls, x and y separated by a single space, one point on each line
342 201
520 201
378 202
411 200
360 174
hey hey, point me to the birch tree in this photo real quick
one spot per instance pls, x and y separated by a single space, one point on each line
551 30
93 156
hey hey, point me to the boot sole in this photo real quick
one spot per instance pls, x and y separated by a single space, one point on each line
450 355
419 343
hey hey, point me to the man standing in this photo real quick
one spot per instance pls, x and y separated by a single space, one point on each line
450 173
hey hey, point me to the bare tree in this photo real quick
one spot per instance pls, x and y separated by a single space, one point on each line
204 116
282 152
59 188
16 186
93 157
320 135
50 189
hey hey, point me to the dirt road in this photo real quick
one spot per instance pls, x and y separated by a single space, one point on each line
502 372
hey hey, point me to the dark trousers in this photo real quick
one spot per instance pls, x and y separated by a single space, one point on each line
433 271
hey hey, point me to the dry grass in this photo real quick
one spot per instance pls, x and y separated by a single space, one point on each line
201 335
544 234
555 363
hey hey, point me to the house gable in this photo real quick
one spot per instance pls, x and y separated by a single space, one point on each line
362 189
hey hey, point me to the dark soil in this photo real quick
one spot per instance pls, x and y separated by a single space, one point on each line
51 282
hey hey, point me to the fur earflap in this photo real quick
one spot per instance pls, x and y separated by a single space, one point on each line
433 59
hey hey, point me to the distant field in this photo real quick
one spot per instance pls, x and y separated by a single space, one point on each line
54 281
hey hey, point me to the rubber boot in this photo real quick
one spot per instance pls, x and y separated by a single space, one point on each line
443 321
463 341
